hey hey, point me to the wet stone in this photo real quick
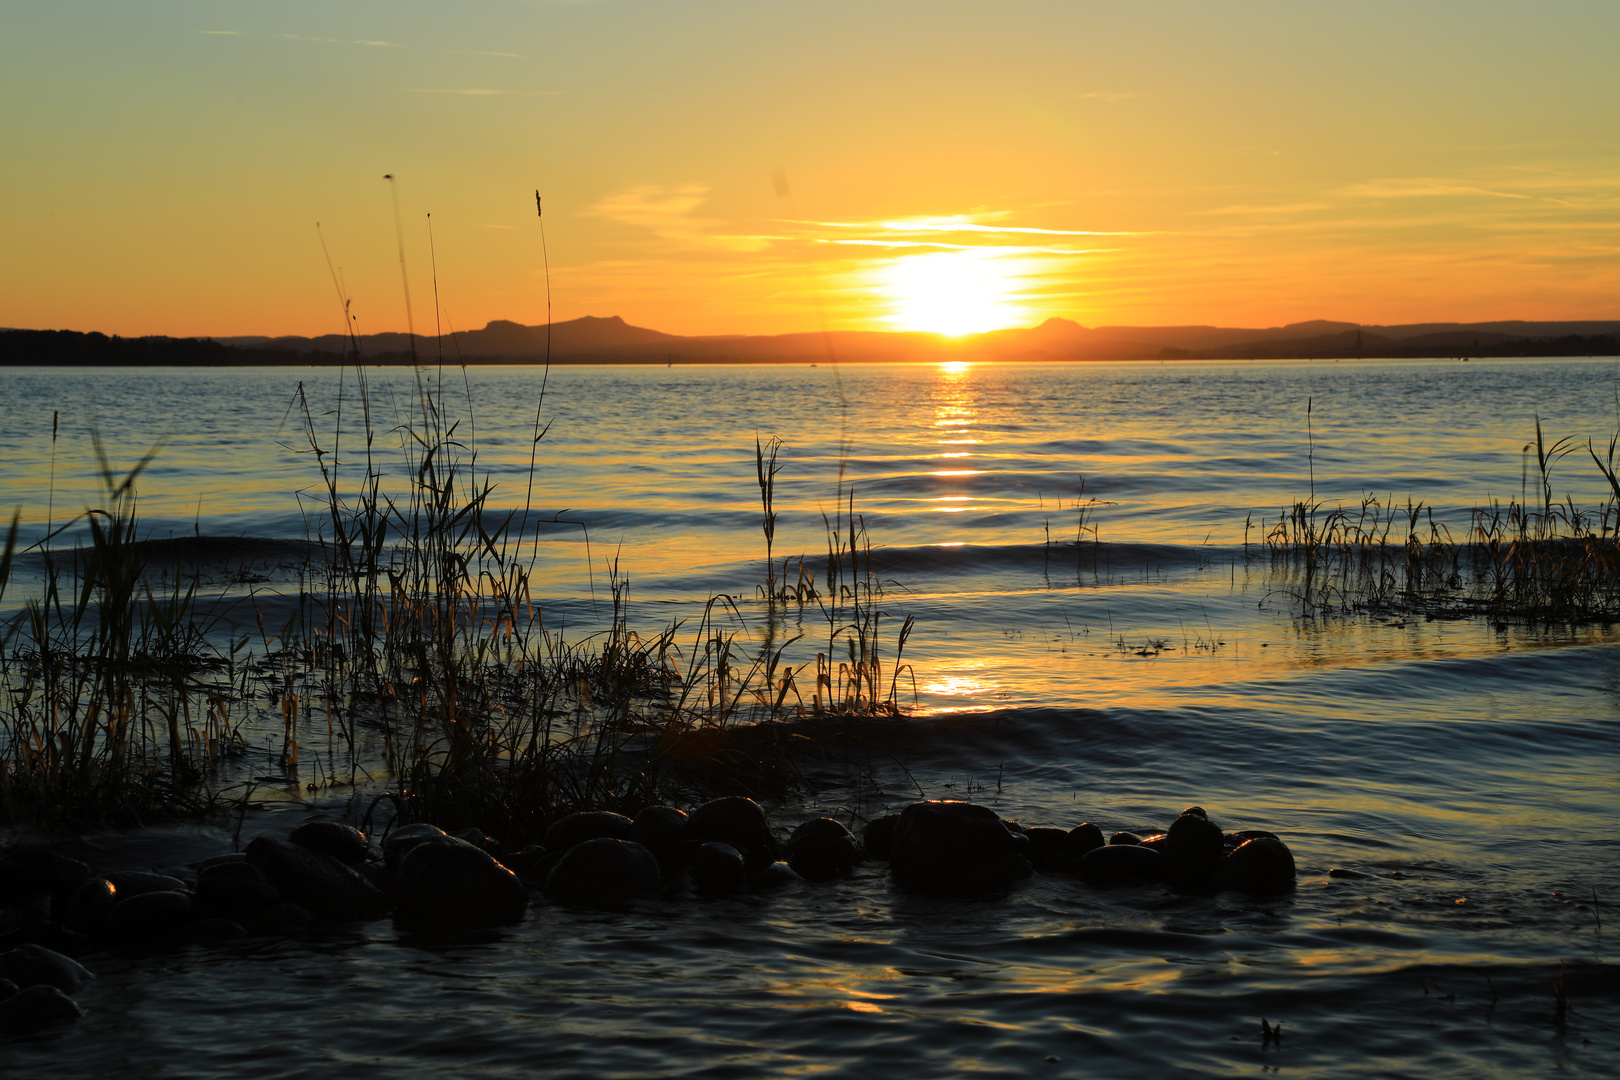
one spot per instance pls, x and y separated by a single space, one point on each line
717 869
135 882
941 844
453 884
739 822
328 889
604 871
1119 864
399 842
662 831
1193 852
588 825
343 842
210 931
35 1009
822 849
234 889
90 904
30 871
1045 843
1262 867
1121 838
34 965
878 835
150 918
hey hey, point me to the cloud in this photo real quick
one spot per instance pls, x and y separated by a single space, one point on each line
670 214
956 223
1277 209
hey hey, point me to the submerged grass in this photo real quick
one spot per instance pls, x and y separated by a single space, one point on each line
418 668
1537 560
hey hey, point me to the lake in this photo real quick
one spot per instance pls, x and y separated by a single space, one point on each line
1099 637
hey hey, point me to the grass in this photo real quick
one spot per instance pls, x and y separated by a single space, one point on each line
1536 560
418 670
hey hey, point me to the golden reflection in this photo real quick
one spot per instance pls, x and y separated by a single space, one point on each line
959 686
959 472
954 367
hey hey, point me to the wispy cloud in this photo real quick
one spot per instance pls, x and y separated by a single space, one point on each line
1278 209
670 213
957 223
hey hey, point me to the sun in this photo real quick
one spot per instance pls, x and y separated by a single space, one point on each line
951 292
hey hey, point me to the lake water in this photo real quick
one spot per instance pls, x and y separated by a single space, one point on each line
1469 774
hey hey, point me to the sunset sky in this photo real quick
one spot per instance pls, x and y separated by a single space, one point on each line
780 165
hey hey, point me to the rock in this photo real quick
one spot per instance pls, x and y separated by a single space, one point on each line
90 904
1124 838
33 965
7 988
1045 843
149 918
343 842
662 831
453 884
995 875
232 890
403 839
1263 867
52 935
1077 843
940 844
1157 842
878 835
587 825
31 871
1118 864
717 869
35 1009
525 862
822 849
604 871
737 821
1195 811
1194 849
135 882
479 839
235 858
315 881
778 875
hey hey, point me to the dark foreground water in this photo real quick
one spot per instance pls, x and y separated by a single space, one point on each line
1463 778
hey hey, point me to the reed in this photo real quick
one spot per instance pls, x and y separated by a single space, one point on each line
1534 560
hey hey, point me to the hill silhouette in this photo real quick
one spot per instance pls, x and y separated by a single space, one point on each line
610 339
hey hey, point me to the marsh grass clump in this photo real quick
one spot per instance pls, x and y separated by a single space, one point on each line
1536 560
117 698
415 666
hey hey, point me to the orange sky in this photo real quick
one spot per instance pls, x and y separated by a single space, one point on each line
729 167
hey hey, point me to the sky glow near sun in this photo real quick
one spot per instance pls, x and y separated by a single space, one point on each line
741 168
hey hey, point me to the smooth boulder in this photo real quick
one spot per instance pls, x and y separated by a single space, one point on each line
662 831
34 965
587 825
454 884
326 888
1120 864
36 1008
604 871
1262 867
822 849
717 869
343 842
1193 850
944 844
737 821
399 842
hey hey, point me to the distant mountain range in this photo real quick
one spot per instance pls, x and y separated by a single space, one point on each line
612 340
